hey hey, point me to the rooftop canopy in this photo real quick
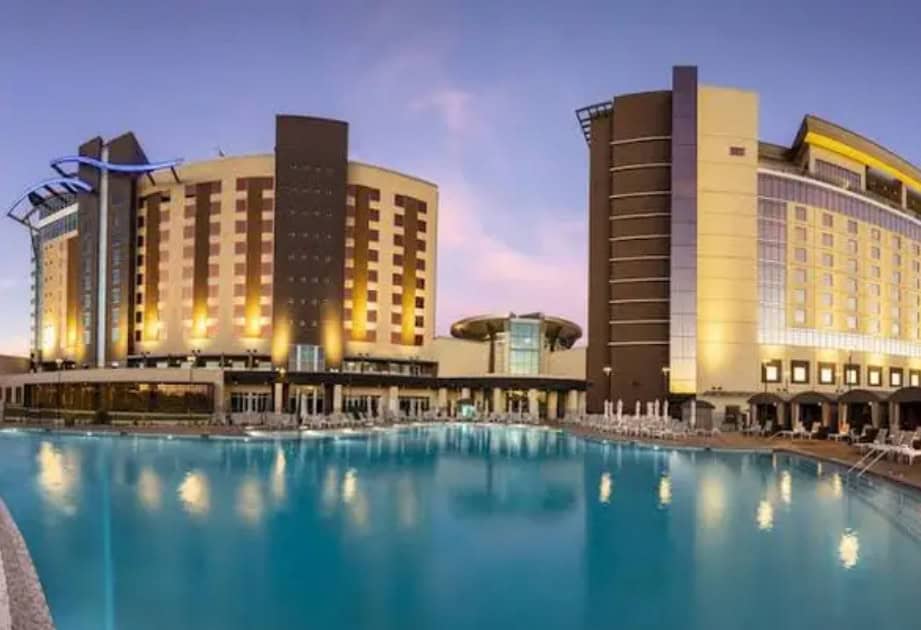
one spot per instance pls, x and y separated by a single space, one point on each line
482 327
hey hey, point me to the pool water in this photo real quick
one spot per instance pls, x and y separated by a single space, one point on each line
455 527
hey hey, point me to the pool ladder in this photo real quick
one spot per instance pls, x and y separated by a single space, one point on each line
868 461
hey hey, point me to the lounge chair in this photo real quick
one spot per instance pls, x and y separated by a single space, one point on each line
752 429
797 430
814 432
878 441
907 450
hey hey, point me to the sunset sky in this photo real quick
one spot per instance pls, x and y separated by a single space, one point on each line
477 97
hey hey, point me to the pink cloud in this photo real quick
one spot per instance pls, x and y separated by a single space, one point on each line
541 268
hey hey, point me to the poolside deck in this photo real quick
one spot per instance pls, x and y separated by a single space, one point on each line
836 452
821 449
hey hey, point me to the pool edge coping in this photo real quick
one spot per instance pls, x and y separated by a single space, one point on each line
26 605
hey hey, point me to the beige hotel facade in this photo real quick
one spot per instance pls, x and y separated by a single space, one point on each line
779 281
296 282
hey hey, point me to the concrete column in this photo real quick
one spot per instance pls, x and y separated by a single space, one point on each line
581 398
278 395
497 400
894 420
552 403
337 398
572 402
826 415
533 408
781 415
874 414
393 400
465 393
753 414
442 398
842 417
795 414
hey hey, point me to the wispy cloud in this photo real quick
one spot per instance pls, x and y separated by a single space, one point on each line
452 105
538 264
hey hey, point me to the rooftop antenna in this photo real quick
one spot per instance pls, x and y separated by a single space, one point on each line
219 152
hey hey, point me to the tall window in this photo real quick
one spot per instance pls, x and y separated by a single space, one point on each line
524 346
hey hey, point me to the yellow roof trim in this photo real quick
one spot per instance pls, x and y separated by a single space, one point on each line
846 150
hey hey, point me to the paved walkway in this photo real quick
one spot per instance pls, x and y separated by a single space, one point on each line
837 452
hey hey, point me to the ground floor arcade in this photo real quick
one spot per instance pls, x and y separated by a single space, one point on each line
852 410
206 394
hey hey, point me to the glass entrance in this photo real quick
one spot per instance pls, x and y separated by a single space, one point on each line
250 402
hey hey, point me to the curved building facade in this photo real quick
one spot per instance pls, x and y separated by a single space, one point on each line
292 282
750 274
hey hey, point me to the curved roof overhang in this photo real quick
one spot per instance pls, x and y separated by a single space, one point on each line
906 395
146 167
482 327
33 194
861 396
766 398
812 398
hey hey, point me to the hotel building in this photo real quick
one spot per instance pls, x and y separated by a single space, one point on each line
779 280
294 281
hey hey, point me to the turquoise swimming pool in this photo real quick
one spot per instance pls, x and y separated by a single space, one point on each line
455 527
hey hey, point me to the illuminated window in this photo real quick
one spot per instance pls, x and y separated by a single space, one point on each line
851 285
851 303
826 374
895 377
827 299
852 246
827 280
770 372
799 316
851 322
827 320
851 374
874 376
914 378
799 372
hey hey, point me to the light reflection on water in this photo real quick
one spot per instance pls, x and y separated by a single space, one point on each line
531 514
195 493
149 488
58 475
